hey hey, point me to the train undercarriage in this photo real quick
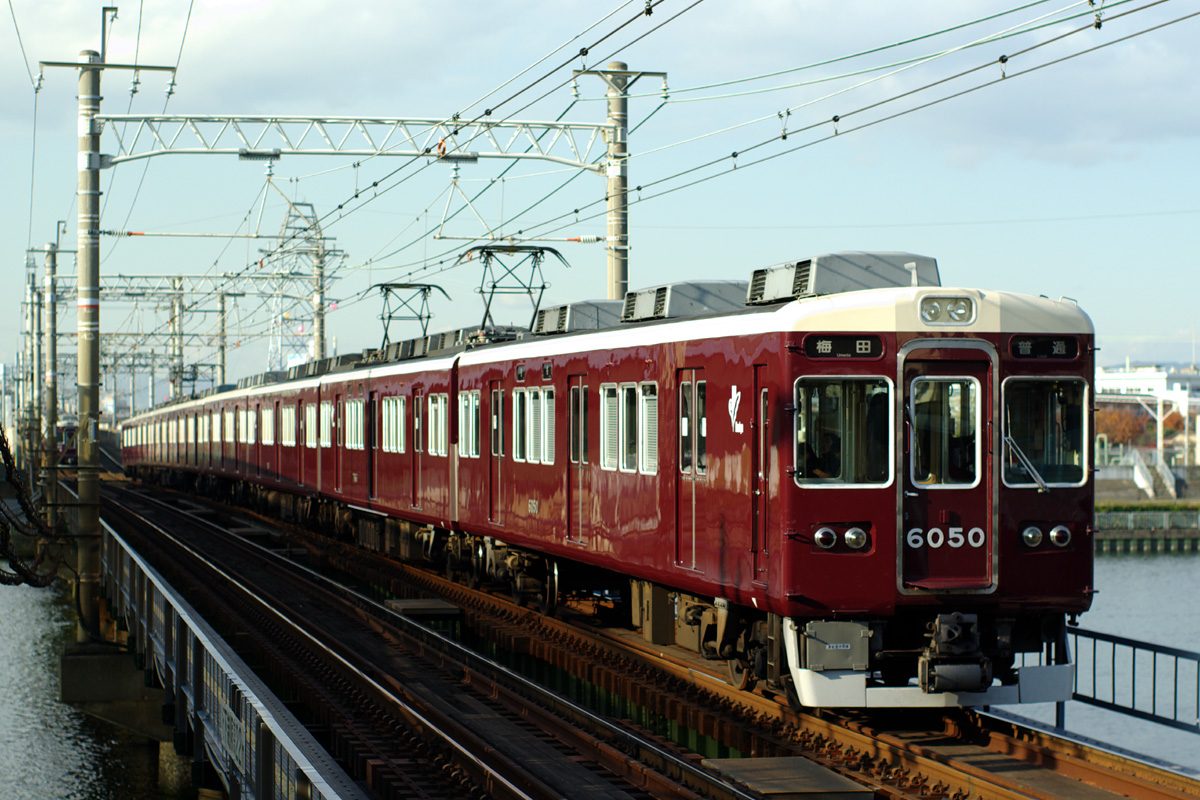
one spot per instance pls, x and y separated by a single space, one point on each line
925 657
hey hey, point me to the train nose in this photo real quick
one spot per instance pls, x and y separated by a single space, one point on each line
954 660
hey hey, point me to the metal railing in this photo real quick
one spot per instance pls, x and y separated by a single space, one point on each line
1145 680
1147 520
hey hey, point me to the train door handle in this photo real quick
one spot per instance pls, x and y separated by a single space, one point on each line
907 493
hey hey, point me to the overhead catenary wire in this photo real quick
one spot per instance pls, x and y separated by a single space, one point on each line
21 45
448 261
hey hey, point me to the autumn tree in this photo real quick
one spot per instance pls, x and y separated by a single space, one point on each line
1121 425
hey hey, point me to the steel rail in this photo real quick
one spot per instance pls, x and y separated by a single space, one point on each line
479 669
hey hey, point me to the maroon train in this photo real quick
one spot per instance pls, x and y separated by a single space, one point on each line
845 480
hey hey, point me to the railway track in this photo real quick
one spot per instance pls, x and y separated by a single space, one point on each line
958 755
408 712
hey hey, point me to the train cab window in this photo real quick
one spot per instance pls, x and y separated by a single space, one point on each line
1044 436
945 443
843 431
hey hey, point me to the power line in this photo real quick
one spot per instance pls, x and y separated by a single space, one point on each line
21 44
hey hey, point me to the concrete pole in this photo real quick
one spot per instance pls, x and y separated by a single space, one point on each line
132 387
221 340
23 394
318 344
50 390
87 542
176 338
35 386
618 183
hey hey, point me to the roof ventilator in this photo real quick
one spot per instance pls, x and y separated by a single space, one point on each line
691 299
840 272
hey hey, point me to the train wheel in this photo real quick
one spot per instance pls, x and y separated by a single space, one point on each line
549 597
740 675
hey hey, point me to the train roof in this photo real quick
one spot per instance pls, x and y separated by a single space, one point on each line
851 292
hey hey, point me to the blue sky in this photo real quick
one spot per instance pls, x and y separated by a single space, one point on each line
1076 179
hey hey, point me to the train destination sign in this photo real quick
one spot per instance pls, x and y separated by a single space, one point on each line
843 346
1045 347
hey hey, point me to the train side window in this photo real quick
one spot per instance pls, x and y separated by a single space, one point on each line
520 423
326 423
534 450
648 425
547 425
310 425
628 425
1045 429
287 426
497 422
268 426
610 443
843 431
475 412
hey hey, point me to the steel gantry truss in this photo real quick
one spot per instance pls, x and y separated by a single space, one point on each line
575 144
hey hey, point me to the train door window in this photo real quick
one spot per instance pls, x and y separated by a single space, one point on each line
520 423
945 419
1044 431
310 425
547 425
268 426
843 431
609 427
648 426
685 426
417 441
693 428
326 423
497 422
578 417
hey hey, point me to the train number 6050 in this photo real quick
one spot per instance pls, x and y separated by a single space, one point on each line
951 537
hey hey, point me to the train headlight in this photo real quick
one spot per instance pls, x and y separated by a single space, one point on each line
1060 535
825 538
947 310
855 538
959 309
1032 536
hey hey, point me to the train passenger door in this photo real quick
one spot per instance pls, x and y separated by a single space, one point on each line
578 472
496 452
692 475
418 446
948 510
760 472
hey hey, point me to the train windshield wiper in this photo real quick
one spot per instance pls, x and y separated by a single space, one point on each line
1026 463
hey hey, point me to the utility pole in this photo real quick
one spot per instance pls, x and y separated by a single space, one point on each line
176 338
618 181
221 339
319 301
50 391
87 542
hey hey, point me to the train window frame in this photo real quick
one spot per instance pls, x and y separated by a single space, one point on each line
311 426
980 465
648 428
267 424
610 442
805 482
325 423
1085 435
287 425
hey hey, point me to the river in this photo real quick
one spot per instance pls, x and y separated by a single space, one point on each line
49 750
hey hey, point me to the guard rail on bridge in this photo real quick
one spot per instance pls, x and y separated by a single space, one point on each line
257 747
1147 520
1141 679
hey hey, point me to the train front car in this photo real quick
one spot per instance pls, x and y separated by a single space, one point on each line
937 524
